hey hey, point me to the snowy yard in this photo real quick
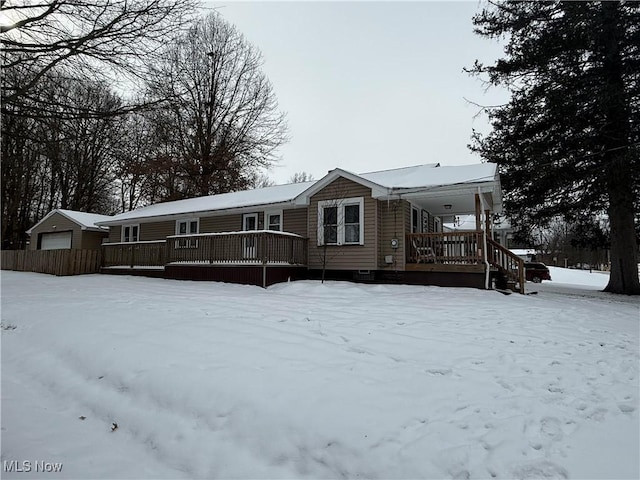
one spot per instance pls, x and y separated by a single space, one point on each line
303 380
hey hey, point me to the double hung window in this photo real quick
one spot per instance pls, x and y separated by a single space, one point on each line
187 227
130 233
273 221
341 221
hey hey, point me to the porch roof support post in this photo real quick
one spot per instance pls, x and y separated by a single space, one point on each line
479 204
487 222
478 213
263 246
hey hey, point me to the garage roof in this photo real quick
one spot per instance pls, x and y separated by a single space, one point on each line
86 221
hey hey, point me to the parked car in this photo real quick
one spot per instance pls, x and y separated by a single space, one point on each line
536 272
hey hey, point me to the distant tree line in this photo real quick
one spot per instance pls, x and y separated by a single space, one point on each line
108 106
571 243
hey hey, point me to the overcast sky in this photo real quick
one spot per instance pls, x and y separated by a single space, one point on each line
370 85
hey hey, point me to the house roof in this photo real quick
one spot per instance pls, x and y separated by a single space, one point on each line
382 183
224 201
86 221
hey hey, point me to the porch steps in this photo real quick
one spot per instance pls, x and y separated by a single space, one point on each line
510 267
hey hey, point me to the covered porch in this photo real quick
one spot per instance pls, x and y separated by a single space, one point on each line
462 249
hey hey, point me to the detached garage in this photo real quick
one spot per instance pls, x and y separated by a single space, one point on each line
66 229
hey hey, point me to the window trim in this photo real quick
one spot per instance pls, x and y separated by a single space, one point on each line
267 213
340 203
255 215
417 227
437 224
191 242
188 221
129 225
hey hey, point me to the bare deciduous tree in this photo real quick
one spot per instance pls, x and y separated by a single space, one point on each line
221 106
262 180
54 161
301 177
81 39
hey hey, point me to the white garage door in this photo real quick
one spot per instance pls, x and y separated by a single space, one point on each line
55 241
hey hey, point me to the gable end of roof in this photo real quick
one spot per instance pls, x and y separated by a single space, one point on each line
376 189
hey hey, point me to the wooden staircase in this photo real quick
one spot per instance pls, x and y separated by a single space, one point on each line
508 264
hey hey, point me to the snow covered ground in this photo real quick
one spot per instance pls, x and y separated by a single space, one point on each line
304 380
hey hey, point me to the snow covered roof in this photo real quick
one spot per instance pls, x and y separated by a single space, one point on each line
428 175
523 252
87 221
224 201
432 175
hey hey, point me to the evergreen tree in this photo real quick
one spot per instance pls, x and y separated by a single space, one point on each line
568 141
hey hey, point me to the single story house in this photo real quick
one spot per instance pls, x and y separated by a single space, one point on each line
68 229
377 226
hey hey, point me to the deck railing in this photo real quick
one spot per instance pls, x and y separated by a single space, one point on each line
445 247
258 247
507 262
254 247
134 254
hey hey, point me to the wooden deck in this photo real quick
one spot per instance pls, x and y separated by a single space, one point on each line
256 258
266 257
444 249
463 252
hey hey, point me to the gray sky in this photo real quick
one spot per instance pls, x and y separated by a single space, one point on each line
370 85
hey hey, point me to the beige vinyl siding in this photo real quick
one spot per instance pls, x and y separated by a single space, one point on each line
344 257
392 225
223 223
157 230
406 208
147 231
295 221
92 240
115 234
61 224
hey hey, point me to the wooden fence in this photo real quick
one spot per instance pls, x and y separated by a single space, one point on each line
54 262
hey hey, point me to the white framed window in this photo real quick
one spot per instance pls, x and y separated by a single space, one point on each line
130 233
249 243
341 221
190 226
415 220
437 224
273 220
